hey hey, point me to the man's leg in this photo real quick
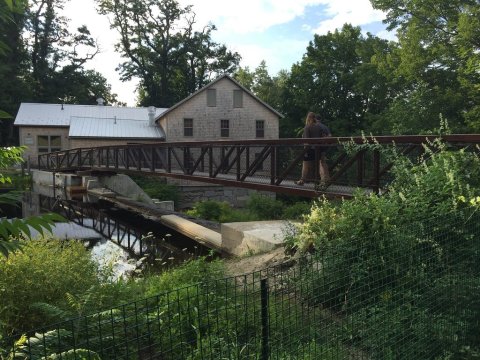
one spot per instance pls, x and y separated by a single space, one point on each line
305 173
323 169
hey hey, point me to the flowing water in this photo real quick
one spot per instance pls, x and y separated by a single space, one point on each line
124 242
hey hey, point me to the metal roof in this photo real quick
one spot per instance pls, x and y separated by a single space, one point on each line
34 114
83 127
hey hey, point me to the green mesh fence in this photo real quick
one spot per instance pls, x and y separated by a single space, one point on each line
413 293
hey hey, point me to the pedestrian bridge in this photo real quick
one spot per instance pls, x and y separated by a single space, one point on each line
267 165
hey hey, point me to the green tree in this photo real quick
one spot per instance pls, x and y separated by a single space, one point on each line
57 57
439 60
244 76
12 65
171 59
40 60
339 78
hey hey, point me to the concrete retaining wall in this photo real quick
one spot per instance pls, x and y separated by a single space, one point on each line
46 178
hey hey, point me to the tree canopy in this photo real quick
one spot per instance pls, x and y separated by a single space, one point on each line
164 49
41 61
358 82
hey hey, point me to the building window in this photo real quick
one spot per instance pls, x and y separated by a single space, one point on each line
237 98
211 97
49 143
260 128
187 127
224 128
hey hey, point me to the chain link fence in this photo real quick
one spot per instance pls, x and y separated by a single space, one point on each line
413 293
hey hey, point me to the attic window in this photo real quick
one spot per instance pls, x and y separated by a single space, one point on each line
237 98
187 127
211 97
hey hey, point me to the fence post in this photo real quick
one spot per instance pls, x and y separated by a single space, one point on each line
265 320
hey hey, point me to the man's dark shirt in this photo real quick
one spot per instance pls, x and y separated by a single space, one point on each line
316 130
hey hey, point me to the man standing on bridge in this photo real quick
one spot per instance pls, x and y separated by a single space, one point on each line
315 129
322 152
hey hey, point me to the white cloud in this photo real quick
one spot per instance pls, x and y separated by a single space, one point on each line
388 35
339 12
277 55
235 22
82 12
248 16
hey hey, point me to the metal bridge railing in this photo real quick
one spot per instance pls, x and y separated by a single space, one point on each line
270 165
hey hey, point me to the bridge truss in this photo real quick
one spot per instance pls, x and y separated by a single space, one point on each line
267 165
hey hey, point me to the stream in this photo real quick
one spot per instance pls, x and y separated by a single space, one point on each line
124 241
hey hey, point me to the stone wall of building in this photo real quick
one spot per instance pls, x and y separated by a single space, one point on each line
29 138
206 120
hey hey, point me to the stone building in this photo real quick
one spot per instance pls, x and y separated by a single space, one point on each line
222 110
45 128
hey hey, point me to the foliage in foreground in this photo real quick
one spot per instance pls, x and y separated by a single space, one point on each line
11 230
54 280
404 265
45 271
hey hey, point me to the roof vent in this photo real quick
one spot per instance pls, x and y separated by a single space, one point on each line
100 101
151 115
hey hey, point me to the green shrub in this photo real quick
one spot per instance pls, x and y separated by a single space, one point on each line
189 273
296 211
391 263
44 272
219 211
157 188
209 210
264 207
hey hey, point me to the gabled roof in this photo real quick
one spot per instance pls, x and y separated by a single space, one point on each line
211 84
111 128
34 114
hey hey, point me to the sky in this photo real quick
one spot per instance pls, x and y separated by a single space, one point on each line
277 31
